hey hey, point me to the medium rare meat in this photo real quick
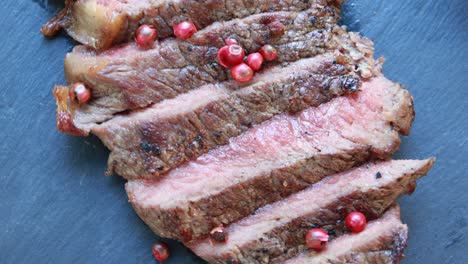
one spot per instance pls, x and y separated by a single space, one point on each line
273 160
382 242
100 24
276 232
130 78
148 143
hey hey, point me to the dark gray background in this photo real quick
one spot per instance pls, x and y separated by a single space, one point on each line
57 207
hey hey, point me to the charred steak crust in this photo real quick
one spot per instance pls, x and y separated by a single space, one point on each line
153 145
100 24
130 78
286 241
180 137
353 143
383 241
198 218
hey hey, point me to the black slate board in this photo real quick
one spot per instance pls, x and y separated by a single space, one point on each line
57 207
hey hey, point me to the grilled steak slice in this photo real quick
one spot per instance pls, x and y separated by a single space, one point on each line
276 232
148 143
273 160
130 78
79 120
382 242
100 24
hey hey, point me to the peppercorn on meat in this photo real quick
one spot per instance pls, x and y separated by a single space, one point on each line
129 77
101 24
178 130
273 160
383 241
276 232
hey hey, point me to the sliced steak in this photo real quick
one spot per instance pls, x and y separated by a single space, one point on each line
276 232
148 143
382 242
100 24
273 160
131 78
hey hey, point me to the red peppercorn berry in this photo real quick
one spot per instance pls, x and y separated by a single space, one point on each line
242 73
219 235
276 28
185 30
317 238
269 53
79 93
231 55
145 36
160 251
255 61
356 222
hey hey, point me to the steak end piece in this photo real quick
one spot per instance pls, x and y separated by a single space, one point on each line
101 24
64 115
276 232
383 241
271 161
78 120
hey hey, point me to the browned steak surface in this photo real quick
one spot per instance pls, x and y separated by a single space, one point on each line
131 78
273 160
382 242
276 232
148 143
102 23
